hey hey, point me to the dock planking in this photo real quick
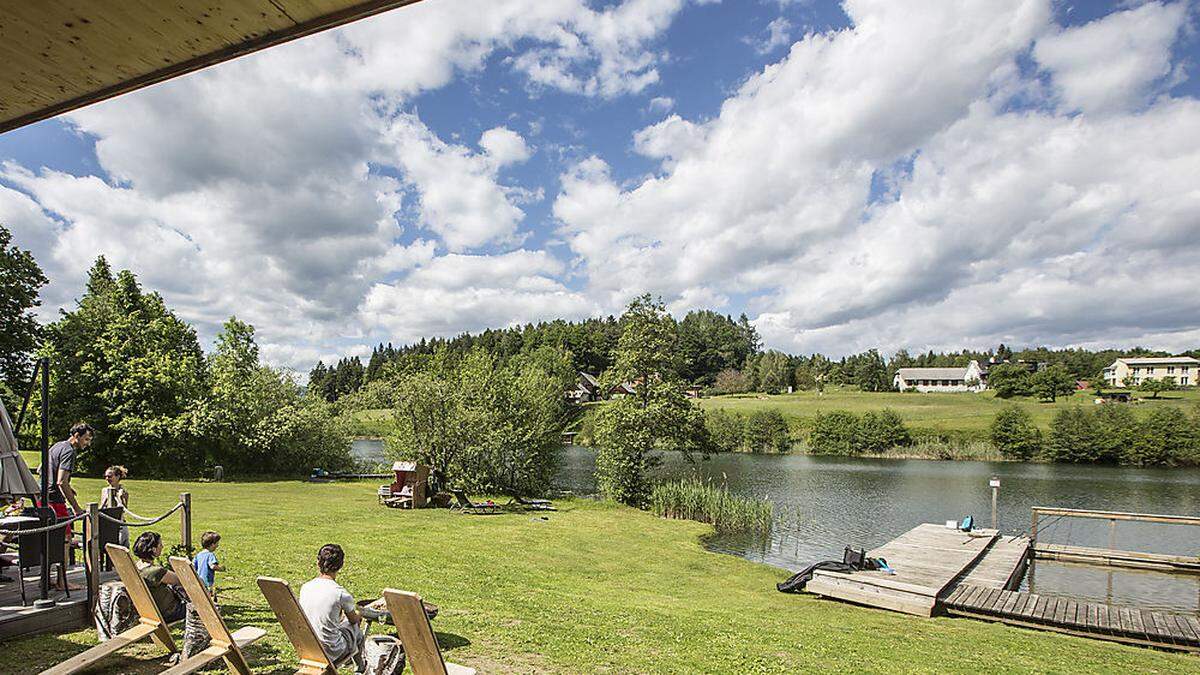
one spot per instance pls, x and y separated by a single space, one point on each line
928 560
1089 619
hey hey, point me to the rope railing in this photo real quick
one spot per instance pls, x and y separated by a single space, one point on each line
148 521
47 528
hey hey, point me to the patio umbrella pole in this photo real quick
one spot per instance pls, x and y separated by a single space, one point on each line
43 364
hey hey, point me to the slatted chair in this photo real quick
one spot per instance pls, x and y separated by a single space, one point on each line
314 660
224 645
464 504
420 645
150 621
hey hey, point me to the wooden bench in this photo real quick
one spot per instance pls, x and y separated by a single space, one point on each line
224 645
150 621
420 645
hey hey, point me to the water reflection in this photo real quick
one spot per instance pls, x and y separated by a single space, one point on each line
825 503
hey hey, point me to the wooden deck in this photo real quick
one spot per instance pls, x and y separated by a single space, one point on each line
17 620
1115 558
928 560
1088 619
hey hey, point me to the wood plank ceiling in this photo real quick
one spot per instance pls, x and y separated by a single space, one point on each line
59 55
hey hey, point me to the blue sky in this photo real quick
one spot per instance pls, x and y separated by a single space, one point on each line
851 175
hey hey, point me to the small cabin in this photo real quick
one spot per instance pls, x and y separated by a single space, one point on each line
411 483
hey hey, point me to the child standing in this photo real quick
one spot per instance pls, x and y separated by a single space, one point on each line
206 563
115 496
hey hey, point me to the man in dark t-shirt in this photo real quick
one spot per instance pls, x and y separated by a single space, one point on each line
60 466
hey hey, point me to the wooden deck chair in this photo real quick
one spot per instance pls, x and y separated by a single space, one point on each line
150 621
224 644
420 645
314 660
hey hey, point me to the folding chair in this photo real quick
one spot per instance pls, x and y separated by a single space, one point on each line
224 644
150 621
314 660
464 503
420 645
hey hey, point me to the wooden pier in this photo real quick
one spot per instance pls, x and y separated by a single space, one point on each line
66 614
928 560
1088 619
978 575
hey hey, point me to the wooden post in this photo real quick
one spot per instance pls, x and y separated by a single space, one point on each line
1112 535
186 521
995 484
92 557
1033 528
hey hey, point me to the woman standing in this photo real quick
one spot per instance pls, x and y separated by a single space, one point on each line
116 496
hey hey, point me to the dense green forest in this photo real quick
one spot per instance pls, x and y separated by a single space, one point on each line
715 351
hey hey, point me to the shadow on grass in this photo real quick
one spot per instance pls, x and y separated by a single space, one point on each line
450 641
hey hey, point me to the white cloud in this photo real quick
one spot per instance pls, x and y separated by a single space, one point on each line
1023 225
779 34
280 186
1112 63
661 104
456 293
504 146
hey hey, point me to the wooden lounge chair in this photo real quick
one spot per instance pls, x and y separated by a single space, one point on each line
464 503
420 646
150 621
314 660
224 644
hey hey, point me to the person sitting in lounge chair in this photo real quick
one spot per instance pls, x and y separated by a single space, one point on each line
324 602
160 581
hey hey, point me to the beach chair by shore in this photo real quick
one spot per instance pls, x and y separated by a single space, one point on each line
416 634
314 660
224 645
150 621
464 503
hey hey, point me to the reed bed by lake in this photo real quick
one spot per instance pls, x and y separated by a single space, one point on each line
702 501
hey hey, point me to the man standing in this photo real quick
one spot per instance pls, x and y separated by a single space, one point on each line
61 465
324 601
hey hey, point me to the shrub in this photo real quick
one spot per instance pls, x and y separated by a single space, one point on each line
694 499
766 431
1073 437
726 430
832 433
730 381
1116 431
1014 434
1163 438
878 432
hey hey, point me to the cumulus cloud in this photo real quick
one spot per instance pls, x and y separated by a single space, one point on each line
661 104
455 293
1000 221
286 185
778 34
1112 63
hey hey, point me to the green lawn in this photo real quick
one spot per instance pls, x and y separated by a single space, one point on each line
590 588
963 412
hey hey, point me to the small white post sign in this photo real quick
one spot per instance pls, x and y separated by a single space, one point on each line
994 483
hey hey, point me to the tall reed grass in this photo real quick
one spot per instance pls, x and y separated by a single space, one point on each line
696 499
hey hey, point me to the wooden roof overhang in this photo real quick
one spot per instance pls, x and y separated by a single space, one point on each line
59 55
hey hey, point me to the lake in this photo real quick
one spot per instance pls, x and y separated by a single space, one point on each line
825 503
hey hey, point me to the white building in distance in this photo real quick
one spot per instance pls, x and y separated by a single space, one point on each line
969 378
1185 370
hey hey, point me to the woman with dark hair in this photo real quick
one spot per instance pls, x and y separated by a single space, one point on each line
162 582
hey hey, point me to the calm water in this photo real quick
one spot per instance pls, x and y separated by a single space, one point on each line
823 504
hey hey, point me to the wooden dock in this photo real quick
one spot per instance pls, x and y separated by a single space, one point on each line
928 560
67 613
1064 615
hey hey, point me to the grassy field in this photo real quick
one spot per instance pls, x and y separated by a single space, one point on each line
954 413
590 588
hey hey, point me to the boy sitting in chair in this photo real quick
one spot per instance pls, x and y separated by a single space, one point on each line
324 601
